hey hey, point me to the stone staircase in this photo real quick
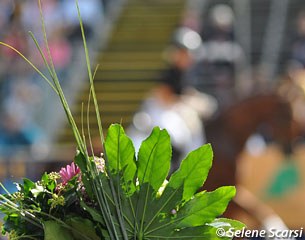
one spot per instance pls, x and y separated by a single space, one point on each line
130 64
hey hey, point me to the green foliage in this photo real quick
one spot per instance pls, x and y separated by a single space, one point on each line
178 209
122 196
193 171
120 154
154 159
55 231
141 203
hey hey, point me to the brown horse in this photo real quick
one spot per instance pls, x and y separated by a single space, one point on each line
229 130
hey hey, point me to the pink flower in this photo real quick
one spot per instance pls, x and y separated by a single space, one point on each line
69 172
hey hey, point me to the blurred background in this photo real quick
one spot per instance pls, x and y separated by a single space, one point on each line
227 72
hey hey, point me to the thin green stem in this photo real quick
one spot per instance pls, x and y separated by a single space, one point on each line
88 112
32 237
63 100
42 55
4 188
88 123
65 225
96 111
82 124
23 213
90 75
166 224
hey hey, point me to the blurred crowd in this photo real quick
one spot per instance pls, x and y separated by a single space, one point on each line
198 82
22 94
204 62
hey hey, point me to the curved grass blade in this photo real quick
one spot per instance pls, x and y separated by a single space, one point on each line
88 112
98 117
43 58
63 100
31 64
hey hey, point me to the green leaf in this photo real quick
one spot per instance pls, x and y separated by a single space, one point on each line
154 158
112 206
96 216
55 231
83 226
205 207
193 171
47 182
45 178
226 223
200 210
121 155
28 185
162 207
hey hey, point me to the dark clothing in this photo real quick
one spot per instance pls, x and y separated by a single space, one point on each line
173 77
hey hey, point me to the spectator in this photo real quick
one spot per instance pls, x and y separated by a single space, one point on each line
215 69
169 107
21 101
91 13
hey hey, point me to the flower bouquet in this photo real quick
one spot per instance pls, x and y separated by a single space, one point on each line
119 194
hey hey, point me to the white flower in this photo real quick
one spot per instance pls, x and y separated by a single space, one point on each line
38 189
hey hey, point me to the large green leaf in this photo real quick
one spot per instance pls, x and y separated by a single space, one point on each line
193 171
28 185
83 226
55 231
154 158
75 228
205 207
226 224
150 216
96 216
161 208
121 155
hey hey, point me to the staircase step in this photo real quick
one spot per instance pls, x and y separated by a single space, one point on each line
126 75
127 55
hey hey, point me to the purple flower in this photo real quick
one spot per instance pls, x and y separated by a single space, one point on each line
69 172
